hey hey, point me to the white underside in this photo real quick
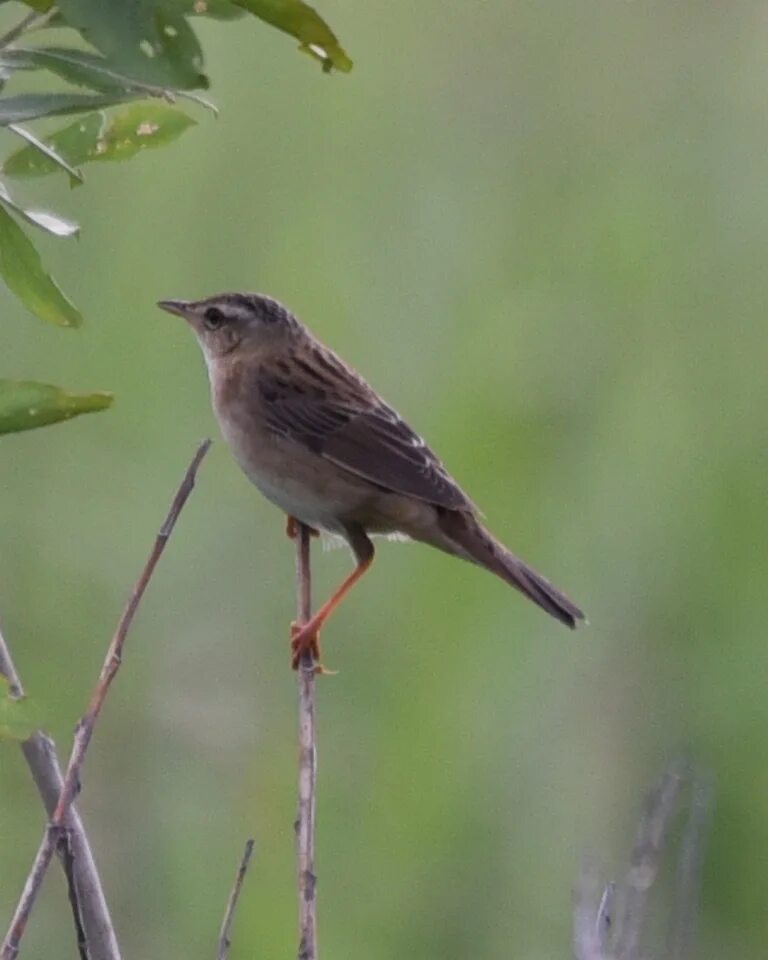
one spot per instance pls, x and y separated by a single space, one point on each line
332 541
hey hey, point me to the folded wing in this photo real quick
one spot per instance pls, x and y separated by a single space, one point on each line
352 428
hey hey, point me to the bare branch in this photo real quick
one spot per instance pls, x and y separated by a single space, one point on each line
86 894
610 923
689 868
305 820
85 727
8 670
592 917
660 805
67 859
225 941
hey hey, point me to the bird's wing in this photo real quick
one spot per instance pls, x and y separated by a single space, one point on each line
346 423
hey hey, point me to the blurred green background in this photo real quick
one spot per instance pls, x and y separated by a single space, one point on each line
540 231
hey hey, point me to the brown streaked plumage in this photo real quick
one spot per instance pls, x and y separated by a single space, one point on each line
319 442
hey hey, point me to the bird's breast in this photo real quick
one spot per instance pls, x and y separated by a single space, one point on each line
299 482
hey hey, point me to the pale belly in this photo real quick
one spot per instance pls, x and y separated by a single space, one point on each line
300 501
300 483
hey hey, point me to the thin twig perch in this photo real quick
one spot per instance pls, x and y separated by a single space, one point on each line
85 728
86 894
305 820
225 940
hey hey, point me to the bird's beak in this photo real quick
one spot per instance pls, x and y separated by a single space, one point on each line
179 307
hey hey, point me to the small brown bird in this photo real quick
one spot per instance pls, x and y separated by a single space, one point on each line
320 443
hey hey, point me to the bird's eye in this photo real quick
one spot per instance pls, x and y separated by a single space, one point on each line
213 318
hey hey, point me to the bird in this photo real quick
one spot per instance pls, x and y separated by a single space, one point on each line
318 442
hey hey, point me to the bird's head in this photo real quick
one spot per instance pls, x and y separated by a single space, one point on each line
230 322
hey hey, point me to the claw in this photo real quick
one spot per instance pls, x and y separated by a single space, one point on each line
319 670
303 642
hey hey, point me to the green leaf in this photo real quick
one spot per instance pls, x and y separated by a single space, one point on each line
79 67
101 137
26 404
19 718
23 272
138 127
82 68
147 39
50 222
73 142
215 9
75 176
31 106
301 21
40 5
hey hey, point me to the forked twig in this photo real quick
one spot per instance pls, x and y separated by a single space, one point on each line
89 906
85 727
225 941
305 819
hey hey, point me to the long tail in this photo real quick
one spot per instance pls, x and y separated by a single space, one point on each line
478 545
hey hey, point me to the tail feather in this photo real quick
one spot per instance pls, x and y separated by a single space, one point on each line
479 546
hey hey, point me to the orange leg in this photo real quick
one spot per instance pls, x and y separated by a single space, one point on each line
305 637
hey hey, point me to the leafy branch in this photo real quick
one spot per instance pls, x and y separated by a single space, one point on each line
136 60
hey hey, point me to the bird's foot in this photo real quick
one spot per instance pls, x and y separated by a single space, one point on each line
306 643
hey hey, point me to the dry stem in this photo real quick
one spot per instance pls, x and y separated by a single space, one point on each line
610 923
225 941
85 727
86 895
305 820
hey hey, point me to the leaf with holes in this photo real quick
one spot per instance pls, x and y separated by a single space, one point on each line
99 136
26 404
24 274
215 9
147 39
301 21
